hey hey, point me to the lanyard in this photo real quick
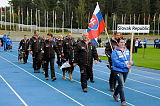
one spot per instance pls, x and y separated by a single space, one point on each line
124 54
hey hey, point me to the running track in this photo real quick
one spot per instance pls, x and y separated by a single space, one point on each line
20 86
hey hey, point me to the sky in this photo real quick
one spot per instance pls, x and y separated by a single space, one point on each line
4 3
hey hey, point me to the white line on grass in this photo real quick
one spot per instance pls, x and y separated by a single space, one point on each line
14 91
43 81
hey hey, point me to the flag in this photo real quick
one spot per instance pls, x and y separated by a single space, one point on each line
96 25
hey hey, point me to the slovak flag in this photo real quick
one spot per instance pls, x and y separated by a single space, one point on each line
96 25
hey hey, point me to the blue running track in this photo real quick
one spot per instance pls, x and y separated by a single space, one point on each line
20 86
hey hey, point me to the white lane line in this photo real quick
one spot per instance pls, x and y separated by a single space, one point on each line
43 81
137 74
95 89
133 80
131 89
140 70
14 91
80 82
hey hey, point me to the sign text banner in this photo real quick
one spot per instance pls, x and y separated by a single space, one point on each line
133 28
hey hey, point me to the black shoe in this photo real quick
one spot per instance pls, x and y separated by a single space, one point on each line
92 81
36 71
112 89
54 78
46 78
85 90
116 98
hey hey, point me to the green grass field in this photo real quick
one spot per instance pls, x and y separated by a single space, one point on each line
150 59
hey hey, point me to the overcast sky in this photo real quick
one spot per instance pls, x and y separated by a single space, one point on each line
4 3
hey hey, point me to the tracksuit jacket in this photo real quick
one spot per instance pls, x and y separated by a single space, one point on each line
120 59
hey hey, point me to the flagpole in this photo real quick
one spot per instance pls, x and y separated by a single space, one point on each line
1 16
31 20
47 21
63 24
39 20
139 20
36 19
154 24
22 19
130 19
125 19
122 18
10 17
5 18
19 18
134 19
148 19
53 21
27 18
113 24
13 18
144 19
158 23
71 21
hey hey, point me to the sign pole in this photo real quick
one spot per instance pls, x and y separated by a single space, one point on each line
131 49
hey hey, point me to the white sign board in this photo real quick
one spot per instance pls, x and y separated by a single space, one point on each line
101 51
133 28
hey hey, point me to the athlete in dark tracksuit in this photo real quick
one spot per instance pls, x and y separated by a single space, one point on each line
49 48
85 52
35 49
68 55
59 43
108 52
24 43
